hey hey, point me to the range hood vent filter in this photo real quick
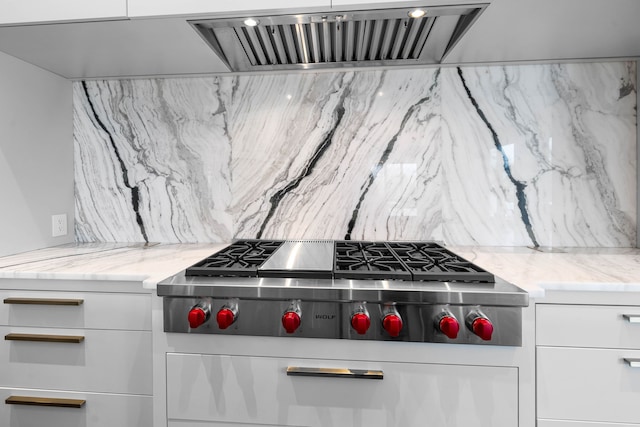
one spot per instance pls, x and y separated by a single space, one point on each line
341 39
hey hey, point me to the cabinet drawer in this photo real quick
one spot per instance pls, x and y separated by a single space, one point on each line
100 410
76 310
562 423
588 326
258 390
103 361
588 384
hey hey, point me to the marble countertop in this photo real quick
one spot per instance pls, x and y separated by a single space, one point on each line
146 263
560 269
534 270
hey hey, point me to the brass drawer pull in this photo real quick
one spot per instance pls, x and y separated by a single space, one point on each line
73 339
632 318
45 401
634 363
43 301
334 372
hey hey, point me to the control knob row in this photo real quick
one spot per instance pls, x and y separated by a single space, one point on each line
392 323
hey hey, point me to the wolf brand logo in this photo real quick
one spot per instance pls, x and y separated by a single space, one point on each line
325 316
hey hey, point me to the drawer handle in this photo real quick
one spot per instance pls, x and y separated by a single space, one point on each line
73 339
632 318
43 301
634 363
45 401
334 372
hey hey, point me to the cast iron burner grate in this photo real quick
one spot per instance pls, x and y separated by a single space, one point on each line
430 261
367 260
240 259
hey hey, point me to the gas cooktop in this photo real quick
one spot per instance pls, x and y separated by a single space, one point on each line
392 291
418 261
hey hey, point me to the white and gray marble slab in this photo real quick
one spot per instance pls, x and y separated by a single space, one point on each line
493 155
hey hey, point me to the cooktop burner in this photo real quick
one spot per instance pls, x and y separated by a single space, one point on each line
240 259
430 261
367 260
418 261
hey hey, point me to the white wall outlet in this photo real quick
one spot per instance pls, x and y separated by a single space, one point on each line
58 225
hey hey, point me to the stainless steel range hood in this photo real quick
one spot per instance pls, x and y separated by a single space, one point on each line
338 39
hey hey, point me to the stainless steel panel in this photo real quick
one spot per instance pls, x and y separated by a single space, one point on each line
301 256
331 320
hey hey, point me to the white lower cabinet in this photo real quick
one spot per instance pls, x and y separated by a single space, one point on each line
75 358
98 410
215 390
588 365
103 361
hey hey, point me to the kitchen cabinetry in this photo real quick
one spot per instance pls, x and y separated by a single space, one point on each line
32 11
92 348
146 8
585 375
250 390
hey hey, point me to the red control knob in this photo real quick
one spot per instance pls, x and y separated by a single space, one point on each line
449 326
360 322
392 323
225 318
197 316
291 321
483 328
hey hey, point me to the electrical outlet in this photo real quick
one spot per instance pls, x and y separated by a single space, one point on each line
58 225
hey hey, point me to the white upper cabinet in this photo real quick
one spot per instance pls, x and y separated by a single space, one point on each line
31 11
147 8
346 4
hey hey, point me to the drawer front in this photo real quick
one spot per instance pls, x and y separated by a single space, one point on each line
561 423
99 410
76 310
588 384
102 361
258 390
588 326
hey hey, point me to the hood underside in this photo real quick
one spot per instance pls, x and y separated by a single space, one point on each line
339 39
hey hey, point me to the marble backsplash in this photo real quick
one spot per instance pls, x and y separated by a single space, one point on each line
493 155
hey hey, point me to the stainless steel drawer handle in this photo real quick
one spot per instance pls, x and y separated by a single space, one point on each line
72 339
44 401
634 363
43 301
632 318
335 373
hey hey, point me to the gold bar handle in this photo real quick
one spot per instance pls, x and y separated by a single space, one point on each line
43 301
73 339
335 373
45 401
632 318
634 363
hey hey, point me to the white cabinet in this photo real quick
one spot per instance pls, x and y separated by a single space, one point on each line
31 11
98 410
391 3
215 390
92 347
583 372
146 8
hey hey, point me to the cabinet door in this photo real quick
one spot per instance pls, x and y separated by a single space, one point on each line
89 310
76 359
258 390
24 11
588 384
140 8
99 410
